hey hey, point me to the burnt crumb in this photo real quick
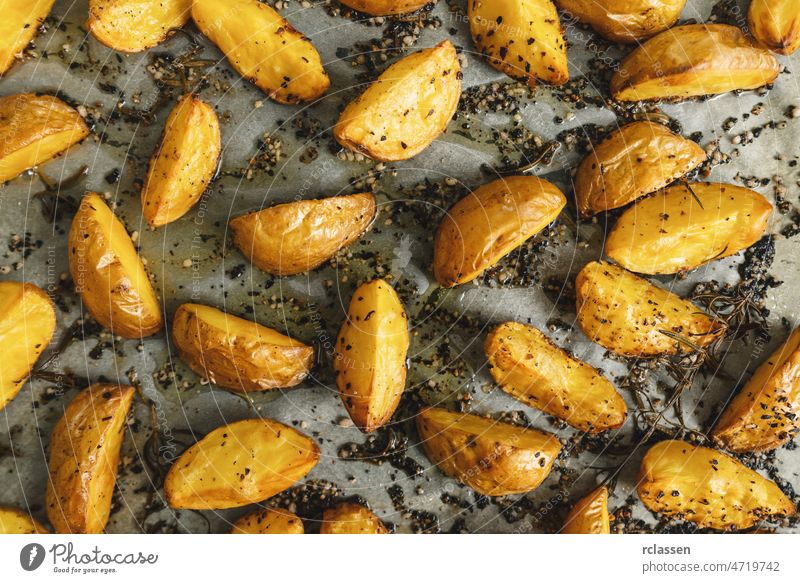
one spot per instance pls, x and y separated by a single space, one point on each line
422 521
387 445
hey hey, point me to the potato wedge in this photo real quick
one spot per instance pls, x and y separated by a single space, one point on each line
693 60
131 26
765 414
630 316
707 487
589 515
637 159
264 48
269 521
406 108
486 225
370 355
625 21
84 455
776 24
491 457
521 38
385 7
108 273
19 25
529 367
349 518
184 163
238 464
27 324
13 521
296 237
238 354
34 129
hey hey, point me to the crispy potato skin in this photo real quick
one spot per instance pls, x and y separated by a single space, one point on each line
406 108
349 518
238 354
670 232
489 223
370 355
523 39
19 25
264 48
626 314
84 455
707 487
385 7
589 515
34 129
625 21
27 324
238 464
13 521
269 521
184 163
776 24
131 26
766 412
529 367
296 237
637 159
108 273
693 60
491 457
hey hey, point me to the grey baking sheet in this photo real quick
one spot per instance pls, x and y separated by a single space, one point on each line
192 260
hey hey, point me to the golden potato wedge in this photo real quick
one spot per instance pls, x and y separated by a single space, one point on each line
349 518
625 21
529 367
19 25
13 521
637 159
589 515
27 324
521 38
238 354
385 7
269 521
406 108
370 355
776 24
34 129
84 455
184 163
264 48
679 229
296 237
238 464
632 317
491 457
108 273
693 60
707 487
765 414
131 26
489 223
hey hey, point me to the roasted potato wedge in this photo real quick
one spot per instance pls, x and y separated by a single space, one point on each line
625 21
486 225
370 355
27 324
349 518
131 26
296 237
491 457
34 129
707 487
589 515
238 464
13 521
264 48
108 273
385 7
269 521
686 226
184 163
630 316
529 367
693 60
406 108
20 23
84 455
765 414
637 159
776 24
238 354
